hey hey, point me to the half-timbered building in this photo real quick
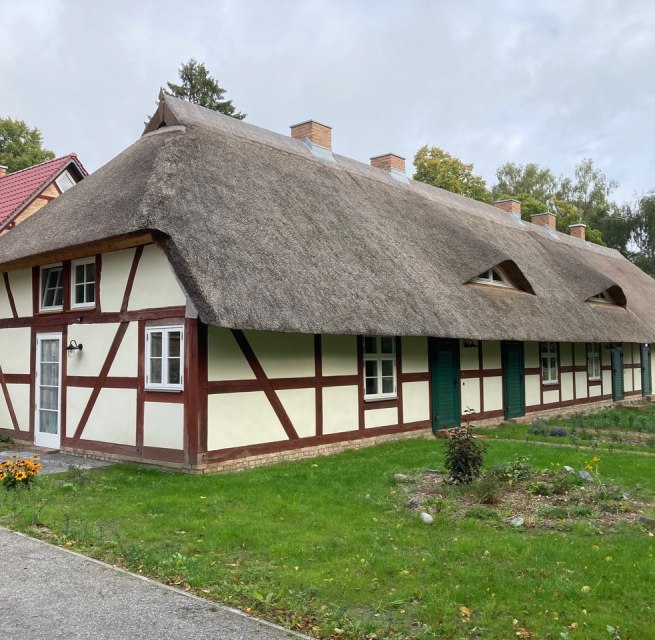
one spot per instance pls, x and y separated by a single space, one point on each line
218 295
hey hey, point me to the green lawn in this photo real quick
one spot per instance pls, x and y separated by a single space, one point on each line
327 546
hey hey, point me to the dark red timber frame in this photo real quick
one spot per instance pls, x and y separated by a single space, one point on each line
62 321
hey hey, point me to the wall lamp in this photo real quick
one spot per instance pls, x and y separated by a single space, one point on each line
73 347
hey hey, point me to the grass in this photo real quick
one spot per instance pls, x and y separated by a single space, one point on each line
328 547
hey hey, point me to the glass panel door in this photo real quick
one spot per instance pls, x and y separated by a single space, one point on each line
48 390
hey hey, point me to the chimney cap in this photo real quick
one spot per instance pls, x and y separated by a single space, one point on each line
495 202
310 121
578 224
386 155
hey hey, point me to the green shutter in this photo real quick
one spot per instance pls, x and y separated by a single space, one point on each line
617 371
646 381
444 371
513 379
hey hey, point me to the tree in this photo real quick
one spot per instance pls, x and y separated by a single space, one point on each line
20 146
199 87
440 169
529 179
643 232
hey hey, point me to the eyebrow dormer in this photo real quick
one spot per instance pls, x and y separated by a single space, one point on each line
505 274
612 296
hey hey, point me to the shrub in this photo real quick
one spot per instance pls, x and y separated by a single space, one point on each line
6 439
464 456
565 482
539 427
517 469
559 432
539 489
488 489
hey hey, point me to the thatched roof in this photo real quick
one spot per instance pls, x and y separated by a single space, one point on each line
263 235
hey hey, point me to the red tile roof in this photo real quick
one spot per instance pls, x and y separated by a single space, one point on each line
19 188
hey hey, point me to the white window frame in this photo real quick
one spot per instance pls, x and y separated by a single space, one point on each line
488 278
549 350
593 360
42 270
62 175
378 357
603 297
164 386
78 263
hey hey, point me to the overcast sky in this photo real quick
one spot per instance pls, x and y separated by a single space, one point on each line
489 81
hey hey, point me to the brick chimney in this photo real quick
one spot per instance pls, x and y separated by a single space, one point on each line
546 219
578 230
317 133
389 161
510 205
3 170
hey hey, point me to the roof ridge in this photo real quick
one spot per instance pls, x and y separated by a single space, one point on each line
40 164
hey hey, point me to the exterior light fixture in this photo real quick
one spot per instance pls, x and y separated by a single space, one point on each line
73 347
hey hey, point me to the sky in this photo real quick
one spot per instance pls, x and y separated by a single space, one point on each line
489 81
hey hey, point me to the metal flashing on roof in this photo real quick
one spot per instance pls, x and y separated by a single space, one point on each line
322 153
400 176
551 232
518 219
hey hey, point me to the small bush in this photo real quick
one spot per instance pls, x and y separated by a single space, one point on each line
539 489
539 427
6 439
488 489
464 456
517 469
559 432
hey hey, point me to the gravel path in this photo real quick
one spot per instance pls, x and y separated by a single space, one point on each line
53 593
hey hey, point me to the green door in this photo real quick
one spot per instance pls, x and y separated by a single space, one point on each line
646 381
444 372
617 371
513 379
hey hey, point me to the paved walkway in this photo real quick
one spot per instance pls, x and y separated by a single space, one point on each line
56 462
48 592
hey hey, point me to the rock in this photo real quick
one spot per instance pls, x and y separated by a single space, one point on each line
412 503
585 475
517 521
401 477
649 522
426 518
567 469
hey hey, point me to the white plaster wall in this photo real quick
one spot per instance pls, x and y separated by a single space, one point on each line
627 353
20 399
637 385
532 390
76 401
627 380
493 393
470 394
283 355
126 361
607 383
96 340
239 419
5 417
113 279
5 307
468 357
163 425
340 409
380 417
551 396
21 288
580 384
15 350
566 383
531 353
565 354
155 284
580 353
225 361
300 405
415 354
113 418
595 390
339 355
491 357
416 401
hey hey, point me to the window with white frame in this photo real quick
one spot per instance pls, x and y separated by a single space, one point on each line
164 358
549 362
52 288
493 276
65 182
593 360
83 283
379 368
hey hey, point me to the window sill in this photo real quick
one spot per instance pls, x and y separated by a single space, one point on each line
163 390
381 398
553 383
51 309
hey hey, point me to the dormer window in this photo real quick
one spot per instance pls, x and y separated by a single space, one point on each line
602 297
612 295
65 182
494 276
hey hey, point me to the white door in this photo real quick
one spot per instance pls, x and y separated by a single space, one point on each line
48 390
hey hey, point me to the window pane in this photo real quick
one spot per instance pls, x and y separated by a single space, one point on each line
387 368
47 421
156 344
49 397
371 368
90 270
155 370
371 386
370 345
90 292
174 344
387 385
386 345
173 371
496 276
79 273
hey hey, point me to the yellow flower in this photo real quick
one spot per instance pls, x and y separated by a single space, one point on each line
588 467
595 459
